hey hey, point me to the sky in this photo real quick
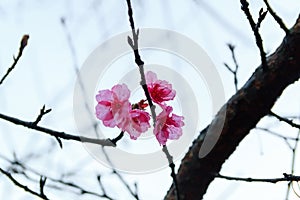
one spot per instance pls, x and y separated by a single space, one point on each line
46 74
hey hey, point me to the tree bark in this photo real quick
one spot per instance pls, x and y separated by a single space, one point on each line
243 111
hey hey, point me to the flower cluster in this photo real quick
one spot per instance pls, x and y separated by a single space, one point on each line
115 110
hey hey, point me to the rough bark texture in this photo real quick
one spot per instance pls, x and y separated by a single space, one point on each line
243 111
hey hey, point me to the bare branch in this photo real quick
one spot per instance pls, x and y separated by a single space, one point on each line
277 134
140 63
173 174
42 113
58 134
277 18
234 72
294 150
23 44
101 185
287 177
42 185
39 118
290 122
255 29
24 187
262 15
80 190
116 139
135 195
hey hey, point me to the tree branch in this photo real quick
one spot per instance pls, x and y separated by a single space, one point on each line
287 177
53 182
23 44
255 29
40 116
57 134
140 63
277 18
289 122
243 111
24 187
234 72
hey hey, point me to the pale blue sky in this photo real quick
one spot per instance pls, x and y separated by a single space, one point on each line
46 75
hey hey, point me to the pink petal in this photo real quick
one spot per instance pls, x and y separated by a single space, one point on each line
150 77
139 123
174 132
103 113
104 95
161 138
167 127
121 92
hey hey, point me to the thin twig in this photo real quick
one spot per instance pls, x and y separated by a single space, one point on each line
234 72
42 185
295 192
116 139
173 174
290 122
59 181
261 17
24 187
140 63
277 134
277 18
294 150
255 29
287 177
39 118
102 186
135 195
23 44
285 139
77 71
42 113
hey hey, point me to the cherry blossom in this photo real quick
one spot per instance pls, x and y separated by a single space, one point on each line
114 110
168 126
160 90
138 124
113 106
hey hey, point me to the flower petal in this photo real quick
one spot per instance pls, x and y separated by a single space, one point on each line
121 92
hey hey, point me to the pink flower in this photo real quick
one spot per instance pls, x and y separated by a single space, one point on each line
159 90
139 123
168 127
114 109
113 106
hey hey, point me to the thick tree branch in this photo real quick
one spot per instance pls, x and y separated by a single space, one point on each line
243 111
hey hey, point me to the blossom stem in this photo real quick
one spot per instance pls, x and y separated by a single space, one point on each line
172 166
139 61
116 139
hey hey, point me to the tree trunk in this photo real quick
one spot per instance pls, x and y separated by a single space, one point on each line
243 111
